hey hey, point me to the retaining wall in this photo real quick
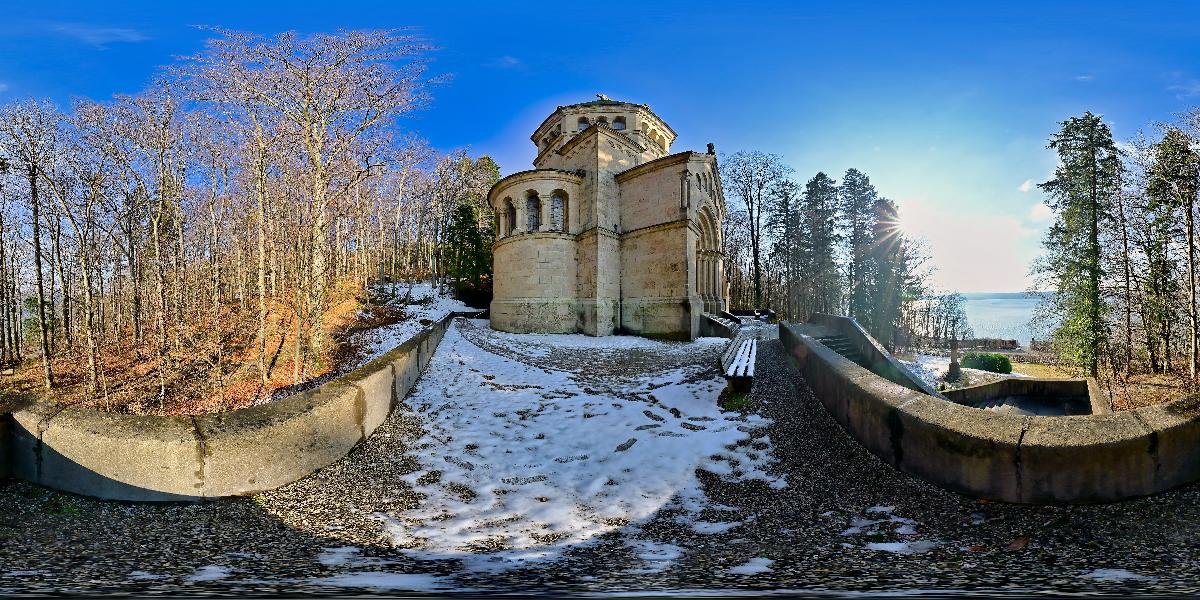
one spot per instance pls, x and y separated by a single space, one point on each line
1083 389
882 362
148 458
1027 459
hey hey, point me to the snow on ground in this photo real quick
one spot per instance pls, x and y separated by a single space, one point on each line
346 556
421 301
521 462
752 567
880 521
1115 575
932 369
656 557
381 580
210 573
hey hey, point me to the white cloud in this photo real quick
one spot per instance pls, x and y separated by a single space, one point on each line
1084 77
1025 186
1184 87
1040 213
97 35
3 87
505 62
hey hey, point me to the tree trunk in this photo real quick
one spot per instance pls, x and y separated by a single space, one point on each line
1194 357
47 372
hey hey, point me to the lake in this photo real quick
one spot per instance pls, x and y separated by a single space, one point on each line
1004 315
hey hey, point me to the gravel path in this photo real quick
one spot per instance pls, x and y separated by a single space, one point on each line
844 523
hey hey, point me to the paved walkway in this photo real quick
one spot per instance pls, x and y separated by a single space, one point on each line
845 522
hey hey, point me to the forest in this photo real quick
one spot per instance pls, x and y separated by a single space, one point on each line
1121 254
210 240
826 246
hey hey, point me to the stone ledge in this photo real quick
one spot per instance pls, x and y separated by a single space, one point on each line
183 458
1038 460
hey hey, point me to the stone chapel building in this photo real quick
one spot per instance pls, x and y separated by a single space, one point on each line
609 232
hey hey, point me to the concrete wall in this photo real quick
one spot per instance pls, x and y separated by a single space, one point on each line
142 458
1085 389
882 362
1041 460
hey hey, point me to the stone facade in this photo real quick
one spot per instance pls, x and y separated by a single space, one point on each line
609 232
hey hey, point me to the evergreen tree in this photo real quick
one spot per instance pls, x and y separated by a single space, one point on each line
885 261
466 253
785 223
1081 194
857 202
818 240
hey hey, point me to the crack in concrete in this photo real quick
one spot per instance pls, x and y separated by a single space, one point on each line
201 454
1152 434
1025 423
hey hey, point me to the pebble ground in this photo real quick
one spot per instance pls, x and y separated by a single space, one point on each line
829 531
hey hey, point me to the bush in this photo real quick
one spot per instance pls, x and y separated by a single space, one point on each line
987 361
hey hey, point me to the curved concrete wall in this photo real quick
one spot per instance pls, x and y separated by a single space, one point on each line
147 458
1026 459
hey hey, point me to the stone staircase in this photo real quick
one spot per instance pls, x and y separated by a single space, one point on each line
842 345
732 325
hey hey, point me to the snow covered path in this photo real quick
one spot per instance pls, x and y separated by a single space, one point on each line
421 301
528 453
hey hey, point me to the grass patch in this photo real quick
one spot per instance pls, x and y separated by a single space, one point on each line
1041 370
731 400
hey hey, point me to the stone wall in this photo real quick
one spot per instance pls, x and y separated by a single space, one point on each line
535 283
1042 460
143 458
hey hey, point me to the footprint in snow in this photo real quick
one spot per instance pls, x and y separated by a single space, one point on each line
567 459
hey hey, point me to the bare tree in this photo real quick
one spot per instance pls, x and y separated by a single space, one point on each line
28 134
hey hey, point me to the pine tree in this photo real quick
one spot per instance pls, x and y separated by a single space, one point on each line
857 201
1081 194
886 261
819 238
785 224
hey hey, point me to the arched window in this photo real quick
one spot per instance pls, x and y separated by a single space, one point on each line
583 123
510 217
618 123
558 211
602 120
533 211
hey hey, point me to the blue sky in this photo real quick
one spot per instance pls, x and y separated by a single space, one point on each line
947 107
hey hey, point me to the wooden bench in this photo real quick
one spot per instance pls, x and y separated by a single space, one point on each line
739 363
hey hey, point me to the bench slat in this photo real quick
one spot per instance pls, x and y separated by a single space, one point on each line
743 362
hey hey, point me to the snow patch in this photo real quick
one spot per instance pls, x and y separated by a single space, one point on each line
520 463
657 556
381 580
423 303
918 547
1116 575
752 567
210 573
